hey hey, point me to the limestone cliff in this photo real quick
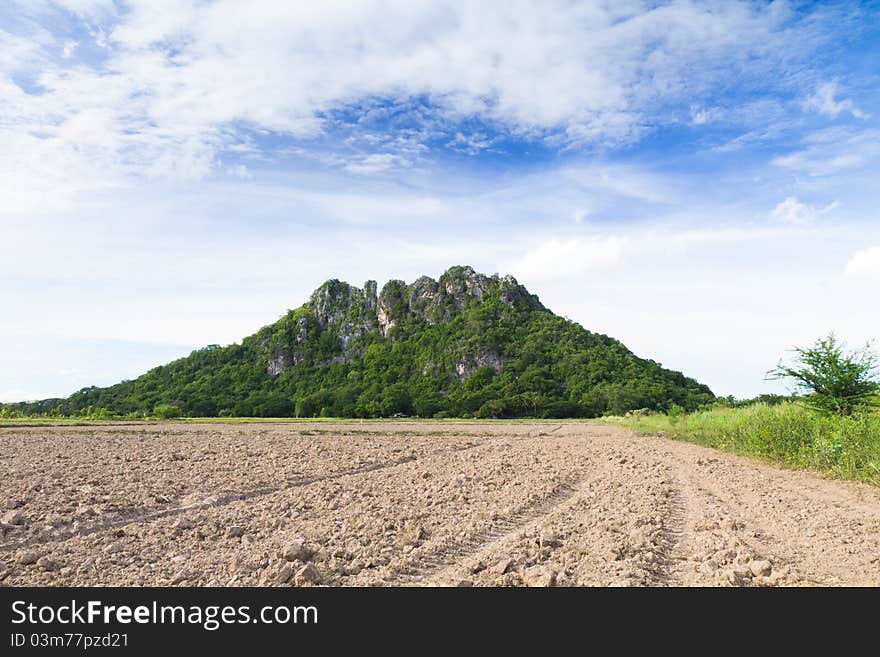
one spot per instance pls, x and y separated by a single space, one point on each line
344 315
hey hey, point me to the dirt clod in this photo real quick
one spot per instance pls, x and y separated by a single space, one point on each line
13 518
308 574
539 576
28 557
48 564
297 551
761 568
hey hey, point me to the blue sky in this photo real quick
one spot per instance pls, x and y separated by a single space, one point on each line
698 180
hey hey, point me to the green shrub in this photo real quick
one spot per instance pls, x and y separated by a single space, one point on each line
166 411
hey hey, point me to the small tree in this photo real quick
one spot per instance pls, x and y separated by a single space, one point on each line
837 381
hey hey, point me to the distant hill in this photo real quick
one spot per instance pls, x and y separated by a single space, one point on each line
462 346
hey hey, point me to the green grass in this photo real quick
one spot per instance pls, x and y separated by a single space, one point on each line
844 447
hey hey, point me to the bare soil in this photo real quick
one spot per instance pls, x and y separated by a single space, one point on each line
409 503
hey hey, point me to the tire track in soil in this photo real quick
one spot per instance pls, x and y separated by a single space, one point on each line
421 568
757 542
688 507
663 569
223 500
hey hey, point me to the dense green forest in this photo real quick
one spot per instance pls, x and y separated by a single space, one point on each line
466 345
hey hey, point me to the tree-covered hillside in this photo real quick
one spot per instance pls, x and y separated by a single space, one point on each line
466 345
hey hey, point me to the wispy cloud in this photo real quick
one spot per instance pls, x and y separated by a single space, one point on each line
832 150
823 101
792 211
703 115
376 163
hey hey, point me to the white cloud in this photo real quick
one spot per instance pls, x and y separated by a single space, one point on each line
865 264
376 163
92 9
621 181
833 150
471 143
559 258
182 81
68 48
818 166
704 115
823 102
792 211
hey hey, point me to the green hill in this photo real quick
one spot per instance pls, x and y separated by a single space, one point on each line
462 346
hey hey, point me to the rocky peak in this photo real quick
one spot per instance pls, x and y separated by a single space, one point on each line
431 300
370 296
392 306
351 312
336 300
461 283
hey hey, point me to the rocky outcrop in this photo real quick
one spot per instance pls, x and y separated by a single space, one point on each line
340 304
467 365
392 306
349 314
276 365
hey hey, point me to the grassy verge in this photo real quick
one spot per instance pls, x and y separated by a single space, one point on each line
845 447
